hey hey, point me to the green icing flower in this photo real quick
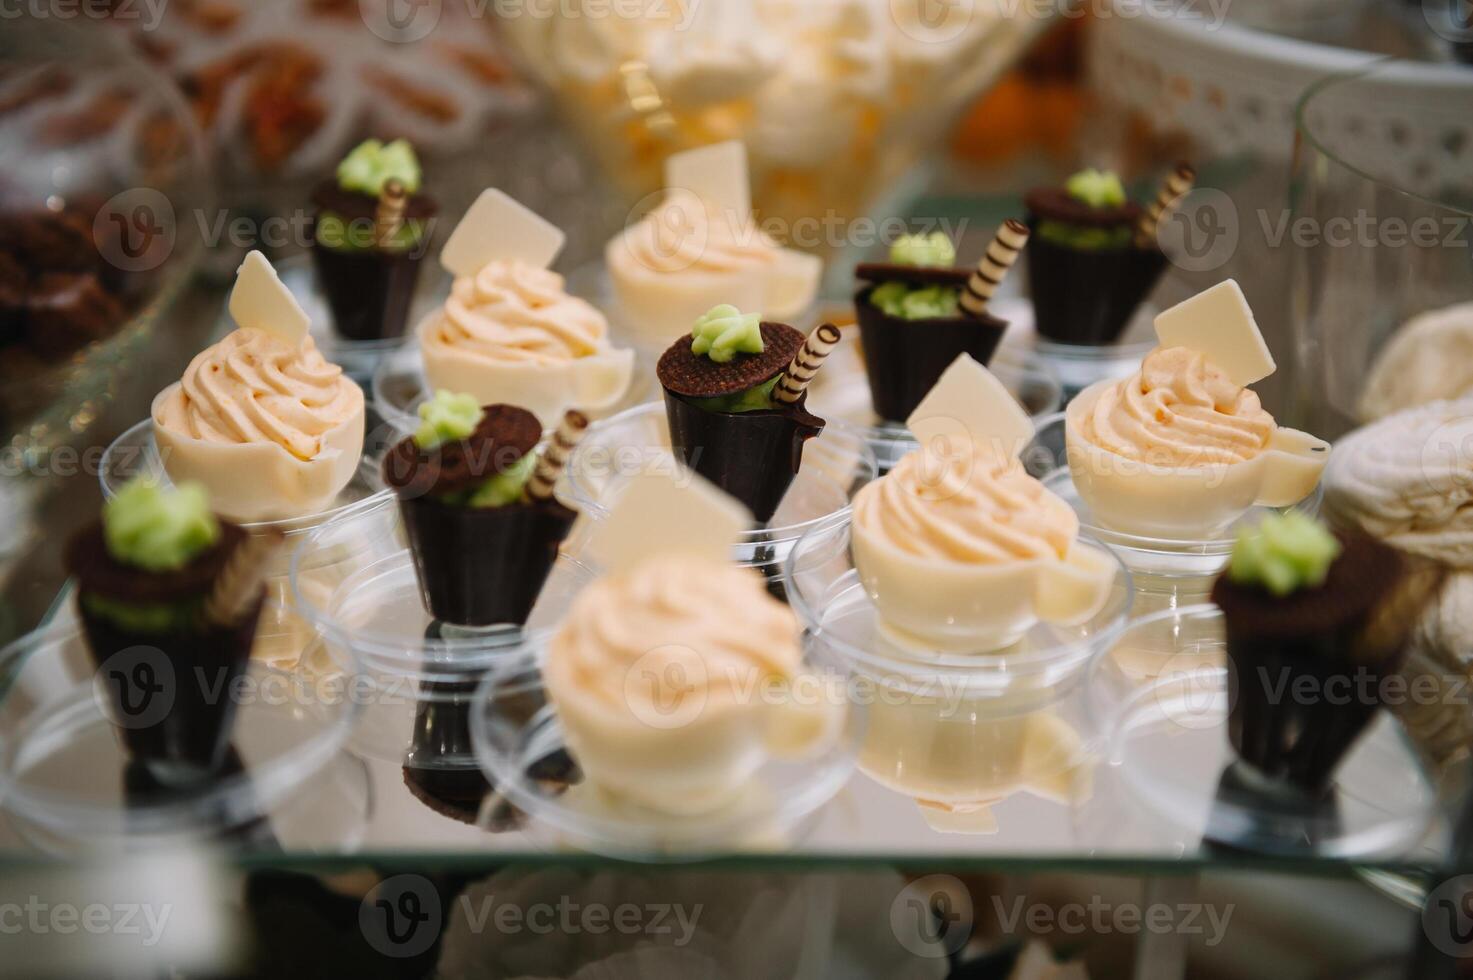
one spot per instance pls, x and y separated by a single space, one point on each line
752 400
725 331
447 417
934 249
915 302
371 164
1285 553
159 530
1097 188
144 618
505 487
1083 238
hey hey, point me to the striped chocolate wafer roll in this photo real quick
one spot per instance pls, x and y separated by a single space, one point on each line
554 458
1173 189
1011 236
389 216
816 347
237 588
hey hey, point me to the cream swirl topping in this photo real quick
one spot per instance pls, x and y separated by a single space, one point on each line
668 629
683 233
1178 411
512 312
975 506
256 387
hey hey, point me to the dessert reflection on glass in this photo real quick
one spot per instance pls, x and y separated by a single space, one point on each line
169 596
1182 448
369 236
509 332
477 501
735 396
1325 617
961 550
676 676
699 247
268 426
1093 256
917 313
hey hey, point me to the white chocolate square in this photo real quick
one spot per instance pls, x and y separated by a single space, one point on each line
969 401
496 227
667 510
1218 322
717 174
261 301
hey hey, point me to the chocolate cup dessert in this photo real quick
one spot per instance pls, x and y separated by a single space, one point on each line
176 721
753 456
1333 644
442 732
483 566
477 566
368 290
904 358
1086 296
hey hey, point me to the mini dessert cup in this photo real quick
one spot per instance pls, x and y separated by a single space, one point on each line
1187 502
836 463
369 290
674 785
1172 764
72 785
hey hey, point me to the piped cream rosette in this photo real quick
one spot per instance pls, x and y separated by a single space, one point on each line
676 676
270 427
700 247
1182 448
961 550
512 334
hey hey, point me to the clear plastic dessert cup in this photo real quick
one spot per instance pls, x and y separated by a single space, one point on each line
1168 758
70 785
1077 366
523 747
358 510
418 676
841 392
835 465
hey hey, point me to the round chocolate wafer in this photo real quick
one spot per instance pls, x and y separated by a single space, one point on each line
1057 204
913 275
328 196
505 434
697 376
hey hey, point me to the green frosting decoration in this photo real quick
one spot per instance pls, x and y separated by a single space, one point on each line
1082 238
724 331
505 487
371 164
752 400
1285 553
1097 188
144 618
934 249
159 530
358 234
447 417
915 302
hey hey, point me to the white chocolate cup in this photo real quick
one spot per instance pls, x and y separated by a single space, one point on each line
1187 502
262 481
954 607
587 383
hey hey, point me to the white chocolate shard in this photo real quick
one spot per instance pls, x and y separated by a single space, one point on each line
667 509
1218 323
259 300
496 227
717 174
969 401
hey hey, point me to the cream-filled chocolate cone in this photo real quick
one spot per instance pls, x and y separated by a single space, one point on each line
271 429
